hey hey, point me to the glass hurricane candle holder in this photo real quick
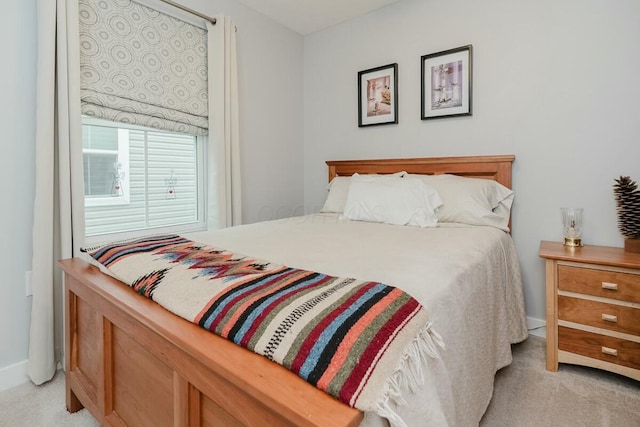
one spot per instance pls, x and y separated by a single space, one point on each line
572 226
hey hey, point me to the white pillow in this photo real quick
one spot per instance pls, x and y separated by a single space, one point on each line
392 200
339 188
473 201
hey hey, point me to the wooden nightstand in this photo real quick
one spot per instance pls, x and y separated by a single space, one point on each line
593 307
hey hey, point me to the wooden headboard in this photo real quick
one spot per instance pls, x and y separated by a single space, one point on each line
497 168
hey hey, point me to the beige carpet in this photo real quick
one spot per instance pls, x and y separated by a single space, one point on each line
525 395
28 405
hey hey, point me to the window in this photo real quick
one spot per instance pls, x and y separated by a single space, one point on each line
105 152
141 181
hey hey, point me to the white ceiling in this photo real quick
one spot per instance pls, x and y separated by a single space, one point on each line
309 16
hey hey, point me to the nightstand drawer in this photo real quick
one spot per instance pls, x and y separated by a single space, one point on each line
607 284
613 350
599 314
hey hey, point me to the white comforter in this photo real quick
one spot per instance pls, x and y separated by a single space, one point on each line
467 278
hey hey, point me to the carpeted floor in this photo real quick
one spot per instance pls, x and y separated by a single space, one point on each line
28 405
525 395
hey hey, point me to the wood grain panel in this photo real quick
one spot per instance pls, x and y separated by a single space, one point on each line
213 415
590 254
578 310
181 401
577 359
591 345
632 245
207 384
221 399
552 321
142 385
589 281
497 168
88 344
194 406
78 389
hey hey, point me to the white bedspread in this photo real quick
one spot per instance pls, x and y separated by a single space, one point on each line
467 278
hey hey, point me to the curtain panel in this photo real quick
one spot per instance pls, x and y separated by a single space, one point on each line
143 67
58 183
225 198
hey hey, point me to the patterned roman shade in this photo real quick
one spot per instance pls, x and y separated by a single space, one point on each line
143 67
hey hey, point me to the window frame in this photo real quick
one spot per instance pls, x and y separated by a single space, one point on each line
201 164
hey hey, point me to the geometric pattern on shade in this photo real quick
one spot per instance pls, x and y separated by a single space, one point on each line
141 66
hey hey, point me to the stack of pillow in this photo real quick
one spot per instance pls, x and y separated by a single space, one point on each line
420 200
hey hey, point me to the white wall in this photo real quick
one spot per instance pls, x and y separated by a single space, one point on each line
555 83
270 59
17 175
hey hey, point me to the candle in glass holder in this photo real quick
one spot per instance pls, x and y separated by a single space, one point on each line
572 226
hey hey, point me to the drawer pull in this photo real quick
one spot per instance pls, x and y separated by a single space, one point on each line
610 286
610 351
609 318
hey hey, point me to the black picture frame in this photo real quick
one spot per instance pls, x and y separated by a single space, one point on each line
447 83
378 96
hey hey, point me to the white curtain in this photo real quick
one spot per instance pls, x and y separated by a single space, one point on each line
224 201
58 178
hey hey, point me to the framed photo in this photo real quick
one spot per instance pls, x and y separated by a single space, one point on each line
446 83
378 96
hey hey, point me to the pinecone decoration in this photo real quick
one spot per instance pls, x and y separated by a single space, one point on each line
628 206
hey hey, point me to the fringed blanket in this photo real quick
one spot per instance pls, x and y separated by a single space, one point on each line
358 341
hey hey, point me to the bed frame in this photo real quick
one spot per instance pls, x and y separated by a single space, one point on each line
131 362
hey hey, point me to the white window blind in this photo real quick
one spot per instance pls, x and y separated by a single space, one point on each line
163 181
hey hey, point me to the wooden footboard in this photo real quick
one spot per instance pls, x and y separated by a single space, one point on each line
131 362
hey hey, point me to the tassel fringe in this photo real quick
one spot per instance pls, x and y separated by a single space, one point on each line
409 374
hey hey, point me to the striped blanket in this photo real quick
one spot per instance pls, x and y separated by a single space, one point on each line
357 340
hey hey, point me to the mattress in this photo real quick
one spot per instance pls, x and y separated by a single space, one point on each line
467 278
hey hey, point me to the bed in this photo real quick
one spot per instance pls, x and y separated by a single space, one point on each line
131 362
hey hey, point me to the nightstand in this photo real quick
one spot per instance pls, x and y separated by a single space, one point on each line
593 307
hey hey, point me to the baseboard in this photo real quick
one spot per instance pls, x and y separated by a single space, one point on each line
537 327
13 375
